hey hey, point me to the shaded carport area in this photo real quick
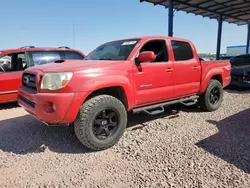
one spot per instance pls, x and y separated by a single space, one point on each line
235 12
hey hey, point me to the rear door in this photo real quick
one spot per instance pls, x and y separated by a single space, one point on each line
154 80
187 69
10 76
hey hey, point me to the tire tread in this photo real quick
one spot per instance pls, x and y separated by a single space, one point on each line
84 117
203 100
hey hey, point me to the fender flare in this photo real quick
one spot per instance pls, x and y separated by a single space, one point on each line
110 81
210 74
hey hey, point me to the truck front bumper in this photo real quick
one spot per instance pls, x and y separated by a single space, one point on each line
240 84
51 108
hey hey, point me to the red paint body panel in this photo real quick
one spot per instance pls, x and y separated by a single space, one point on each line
151 79
18 50
10 81
44 102
209 69
143 84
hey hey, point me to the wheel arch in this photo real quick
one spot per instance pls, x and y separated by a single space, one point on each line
118 86
114 91
216 75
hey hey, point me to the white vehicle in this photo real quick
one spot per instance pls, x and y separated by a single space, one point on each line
5 62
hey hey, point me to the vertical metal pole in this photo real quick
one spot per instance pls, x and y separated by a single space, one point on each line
248 38
170 17
220 21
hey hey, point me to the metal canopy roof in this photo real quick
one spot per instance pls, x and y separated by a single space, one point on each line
233 11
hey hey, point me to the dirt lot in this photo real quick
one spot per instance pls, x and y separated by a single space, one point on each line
188 149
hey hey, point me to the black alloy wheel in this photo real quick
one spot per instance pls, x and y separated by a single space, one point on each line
214 95
101 122
105 123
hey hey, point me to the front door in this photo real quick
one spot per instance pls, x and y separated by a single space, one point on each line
11 69
153 81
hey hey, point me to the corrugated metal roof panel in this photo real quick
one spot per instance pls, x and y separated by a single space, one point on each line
237 11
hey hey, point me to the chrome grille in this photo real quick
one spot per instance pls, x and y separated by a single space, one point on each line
29 81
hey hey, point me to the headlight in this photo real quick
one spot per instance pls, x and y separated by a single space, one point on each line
54 81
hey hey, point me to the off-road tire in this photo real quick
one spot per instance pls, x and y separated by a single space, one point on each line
204 100
84 121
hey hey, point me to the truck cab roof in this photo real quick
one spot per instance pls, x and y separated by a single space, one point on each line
154 37
33 48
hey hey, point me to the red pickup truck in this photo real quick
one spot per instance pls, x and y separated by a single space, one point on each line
142 74
14 61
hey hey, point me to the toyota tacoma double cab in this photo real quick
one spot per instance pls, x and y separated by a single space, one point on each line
14 61
143 74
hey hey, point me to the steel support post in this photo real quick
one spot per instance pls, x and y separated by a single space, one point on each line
170 17
220 21
248 38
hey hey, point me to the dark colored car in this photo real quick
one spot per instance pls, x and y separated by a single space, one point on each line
14 61
240 73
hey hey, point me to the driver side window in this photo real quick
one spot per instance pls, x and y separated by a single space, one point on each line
159 48
13 62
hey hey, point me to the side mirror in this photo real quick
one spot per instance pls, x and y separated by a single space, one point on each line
147 56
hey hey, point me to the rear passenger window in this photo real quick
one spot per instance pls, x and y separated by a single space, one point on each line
73 55
182 50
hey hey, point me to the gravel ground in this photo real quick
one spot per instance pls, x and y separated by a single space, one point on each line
186 149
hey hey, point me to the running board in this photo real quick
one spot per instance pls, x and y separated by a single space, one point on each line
189 103
159 108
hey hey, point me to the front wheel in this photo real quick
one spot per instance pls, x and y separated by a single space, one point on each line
212 98
101 122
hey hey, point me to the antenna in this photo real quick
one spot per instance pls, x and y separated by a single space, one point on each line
73 34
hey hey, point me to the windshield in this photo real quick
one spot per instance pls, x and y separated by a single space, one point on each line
240 60
117 50
44 57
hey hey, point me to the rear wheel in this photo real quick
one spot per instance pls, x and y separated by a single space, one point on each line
101 122
212 98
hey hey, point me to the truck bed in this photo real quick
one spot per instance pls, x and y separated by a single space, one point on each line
222 68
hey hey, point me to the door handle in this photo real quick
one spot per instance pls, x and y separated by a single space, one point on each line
169 70
195 67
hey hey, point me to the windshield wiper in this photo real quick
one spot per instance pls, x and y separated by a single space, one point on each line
101 59
104 59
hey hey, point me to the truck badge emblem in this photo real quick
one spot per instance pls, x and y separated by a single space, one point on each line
27 80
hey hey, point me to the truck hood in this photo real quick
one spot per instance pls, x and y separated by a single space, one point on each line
74 65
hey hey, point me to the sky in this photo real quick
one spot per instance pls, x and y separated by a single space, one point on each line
84 25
